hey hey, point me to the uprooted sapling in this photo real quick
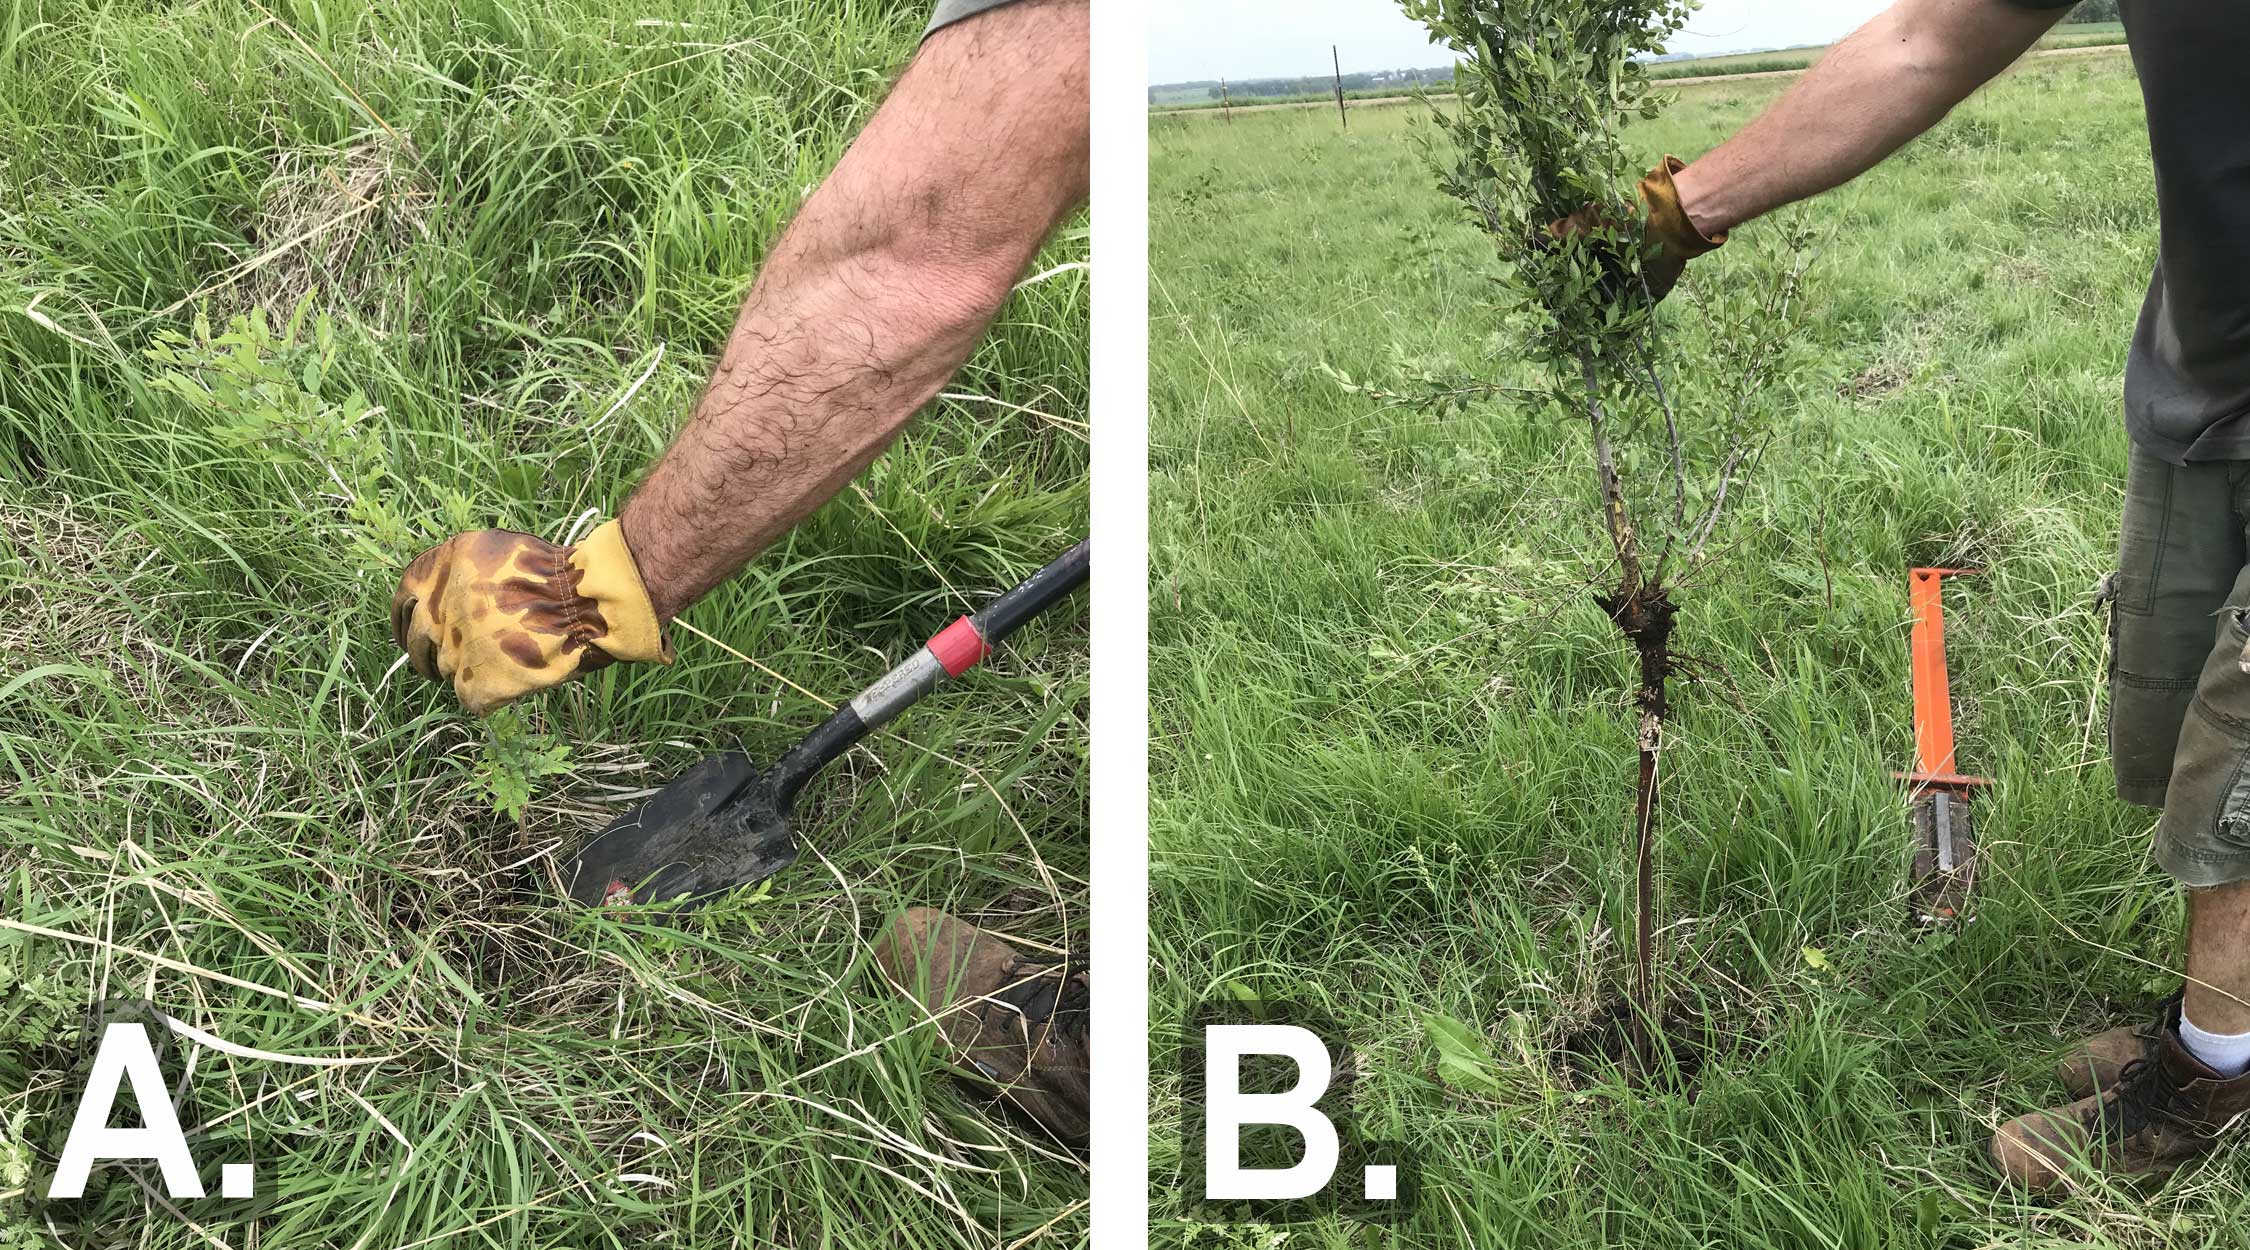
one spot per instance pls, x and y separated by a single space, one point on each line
1545 88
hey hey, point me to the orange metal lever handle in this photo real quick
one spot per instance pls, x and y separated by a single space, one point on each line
1933 695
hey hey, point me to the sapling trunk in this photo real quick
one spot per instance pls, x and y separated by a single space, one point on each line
1644 615
1641 608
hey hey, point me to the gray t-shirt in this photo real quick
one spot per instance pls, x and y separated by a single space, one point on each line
951 11
2187 376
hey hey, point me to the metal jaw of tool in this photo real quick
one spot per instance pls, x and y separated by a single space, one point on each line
1938 794
1945 857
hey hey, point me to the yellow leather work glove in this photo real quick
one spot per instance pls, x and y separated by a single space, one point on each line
1668 239
504 614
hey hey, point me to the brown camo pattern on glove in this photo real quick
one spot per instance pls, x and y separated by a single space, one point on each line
503 614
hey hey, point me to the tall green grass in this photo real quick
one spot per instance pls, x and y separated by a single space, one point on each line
529 223
1392 761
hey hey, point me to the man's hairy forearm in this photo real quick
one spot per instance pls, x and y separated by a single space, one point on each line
1891 80
875 294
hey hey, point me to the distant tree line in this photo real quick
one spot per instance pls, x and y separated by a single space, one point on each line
1407 79
1310 85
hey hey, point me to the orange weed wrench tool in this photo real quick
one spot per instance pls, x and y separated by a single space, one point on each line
1938 792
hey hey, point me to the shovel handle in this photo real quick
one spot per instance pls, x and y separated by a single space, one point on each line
953 651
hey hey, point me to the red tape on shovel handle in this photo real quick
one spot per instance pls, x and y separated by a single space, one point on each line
958 647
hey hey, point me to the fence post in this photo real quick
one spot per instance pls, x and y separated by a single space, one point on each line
1337 61
1225 105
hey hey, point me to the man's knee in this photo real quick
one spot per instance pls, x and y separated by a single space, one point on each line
2203 838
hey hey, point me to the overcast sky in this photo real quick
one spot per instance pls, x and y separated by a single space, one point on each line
1190 40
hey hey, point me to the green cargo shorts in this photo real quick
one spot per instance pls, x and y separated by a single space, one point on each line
2179 701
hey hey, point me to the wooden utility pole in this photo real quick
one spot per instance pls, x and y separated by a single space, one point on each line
1338 61
1225 105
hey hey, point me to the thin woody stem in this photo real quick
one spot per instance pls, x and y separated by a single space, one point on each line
1674 444
1614 513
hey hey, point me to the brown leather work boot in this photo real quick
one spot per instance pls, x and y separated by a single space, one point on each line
1014 1023
2164 1111
2096 1063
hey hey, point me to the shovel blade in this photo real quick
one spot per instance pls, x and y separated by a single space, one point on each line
713 831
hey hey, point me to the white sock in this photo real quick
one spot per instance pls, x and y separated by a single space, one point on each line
2227 1054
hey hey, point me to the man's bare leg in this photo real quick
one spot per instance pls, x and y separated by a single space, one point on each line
876 293
2218 971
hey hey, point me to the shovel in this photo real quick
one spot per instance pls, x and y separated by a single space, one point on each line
725 823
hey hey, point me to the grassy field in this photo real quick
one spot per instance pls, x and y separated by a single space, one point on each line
1392 765
515 231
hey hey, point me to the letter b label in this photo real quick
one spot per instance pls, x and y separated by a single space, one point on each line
1268 1088
1227 1109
